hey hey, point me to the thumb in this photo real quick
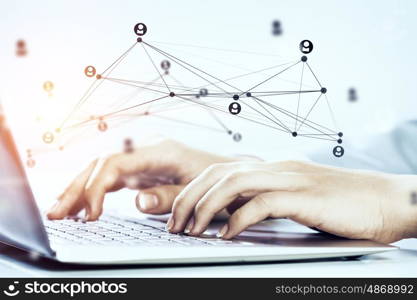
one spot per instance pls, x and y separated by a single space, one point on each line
157 200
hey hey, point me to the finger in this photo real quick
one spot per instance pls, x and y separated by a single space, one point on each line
105 177
157 200
274 204
241 183
70 201
185 202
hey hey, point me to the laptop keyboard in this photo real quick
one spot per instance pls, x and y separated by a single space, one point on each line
114 230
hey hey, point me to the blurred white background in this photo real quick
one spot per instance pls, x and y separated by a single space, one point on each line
366 45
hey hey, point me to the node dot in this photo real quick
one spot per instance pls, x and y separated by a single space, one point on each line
303 58
294 134
323 90
339 141
139 39
98 76
235 97
340 134
248 94
229 132
172 94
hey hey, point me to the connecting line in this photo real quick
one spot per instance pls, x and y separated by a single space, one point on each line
149 83
209 111
263 94
234 77
281 124
120 81
219 121
113 113
77 105
134 106
331 112
327 134
87 94
313 74
215 108
299 97
286 94
173 57
156 68
120 57
187 123
291 115
271 77
177 59
317 100
135 93
218 49
318 138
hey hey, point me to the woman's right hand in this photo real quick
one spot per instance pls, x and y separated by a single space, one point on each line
160 170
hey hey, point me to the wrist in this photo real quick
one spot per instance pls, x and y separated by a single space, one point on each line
401 209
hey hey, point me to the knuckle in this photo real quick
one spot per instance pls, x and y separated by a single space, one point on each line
215 167
236 176
110 161
237 216
262 202
202 207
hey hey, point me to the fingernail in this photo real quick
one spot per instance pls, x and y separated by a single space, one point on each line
189 226
170 224
85 219
222 231
147 201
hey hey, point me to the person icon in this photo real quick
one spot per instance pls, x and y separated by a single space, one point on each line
128 146
30 162
414 198
306 46
237 137
234 108
102 126
48 86
165 65
48 137
352 95
140 29
276 28
203 92
338 151
90 71
21 49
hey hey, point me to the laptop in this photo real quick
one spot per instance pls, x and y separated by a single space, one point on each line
118 239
